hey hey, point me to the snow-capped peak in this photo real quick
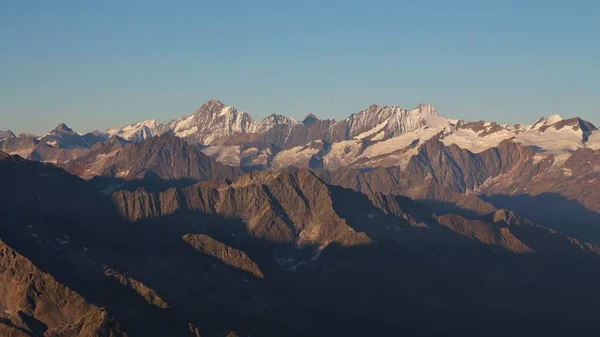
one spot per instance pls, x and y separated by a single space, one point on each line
544 121
211 121
135 132
393 120
427 109
212 107
272 121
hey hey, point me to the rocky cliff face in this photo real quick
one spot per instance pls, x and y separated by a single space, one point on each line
287 207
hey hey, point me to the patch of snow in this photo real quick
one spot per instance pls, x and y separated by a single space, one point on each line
252 150
545 121
187 132
224 154
560 143
260 159
183 124
470 140
297 156
538 158
225 111
123 174
379 136
594 140
135 131
342 153
297 265
384 149
373 131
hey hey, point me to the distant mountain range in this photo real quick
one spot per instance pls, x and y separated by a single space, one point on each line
373 137
389 222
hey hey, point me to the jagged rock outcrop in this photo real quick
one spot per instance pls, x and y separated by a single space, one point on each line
165 157
35 304
287 206
5 134
229 256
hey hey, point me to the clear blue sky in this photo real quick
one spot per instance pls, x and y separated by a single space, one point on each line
93 64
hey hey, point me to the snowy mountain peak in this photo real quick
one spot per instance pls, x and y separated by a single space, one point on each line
427 109
554 119
212 107
213 120
545 121
135 132
272 121
388 121
151 123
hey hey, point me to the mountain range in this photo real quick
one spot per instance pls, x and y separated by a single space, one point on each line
391 221
378 136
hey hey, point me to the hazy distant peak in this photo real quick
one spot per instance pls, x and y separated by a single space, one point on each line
4 134
309 119
63 128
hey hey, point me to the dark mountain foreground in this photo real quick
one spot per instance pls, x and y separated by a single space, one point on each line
275 253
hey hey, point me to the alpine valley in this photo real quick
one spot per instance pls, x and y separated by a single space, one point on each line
389 222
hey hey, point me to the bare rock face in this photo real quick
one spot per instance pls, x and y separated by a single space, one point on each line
140 288
36 189
436 171
21 146
229 256
288 207
34 303
164 157
5 134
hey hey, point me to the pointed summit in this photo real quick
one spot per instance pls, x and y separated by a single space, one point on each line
63 128
214 106
310 119
427 108
5 134
272 121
